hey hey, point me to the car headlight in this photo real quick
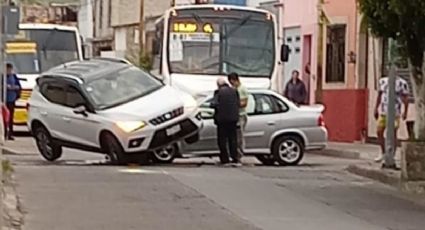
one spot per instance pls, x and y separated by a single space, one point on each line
130 126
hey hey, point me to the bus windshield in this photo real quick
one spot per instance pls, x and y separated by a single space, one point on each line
54 47
24 63
203 41
23 56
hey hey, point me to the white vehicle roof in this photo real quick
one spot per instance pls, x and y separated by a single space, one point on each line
214 6
47 26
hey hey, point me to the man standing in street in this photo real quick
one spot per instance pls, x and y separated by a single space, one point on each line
295 90
12 95
381 109
243 117
226 105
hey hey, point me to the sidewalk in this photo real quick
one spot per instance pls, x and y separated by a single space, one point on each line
355 151
21 146
370 169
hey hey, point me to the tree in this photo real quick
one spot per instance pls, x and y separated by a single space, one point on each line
404 21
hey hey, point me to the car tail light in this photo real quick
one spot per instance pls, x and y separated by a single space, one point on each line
321 121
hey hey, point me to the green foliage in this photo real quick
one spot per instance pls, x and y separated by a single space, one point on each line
402 20
145 61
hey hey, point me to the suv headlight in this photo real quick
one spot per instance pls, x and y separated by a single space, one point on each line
130 126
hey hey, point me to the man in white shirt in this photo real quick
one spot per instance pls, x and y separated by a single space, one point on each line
381 109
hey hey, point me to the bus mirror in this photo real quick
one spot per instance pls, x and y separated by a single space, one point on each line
156 47
284 53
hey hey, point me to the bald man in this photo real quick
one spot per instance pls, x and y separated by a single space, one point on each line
226 104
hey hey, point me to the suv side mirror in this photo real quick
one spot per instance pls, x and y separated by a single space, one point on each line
81 110
284 53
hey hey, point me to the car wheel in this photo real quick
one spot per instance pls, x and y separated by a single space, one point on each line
165 155
45 144
288 150
114 151
266 159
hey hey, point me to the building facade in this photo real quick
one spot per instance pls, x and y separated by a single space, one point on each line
103 31
86 25
125 23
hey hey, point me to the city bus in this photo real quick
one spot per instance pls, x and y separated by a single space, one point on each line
195 44
35 49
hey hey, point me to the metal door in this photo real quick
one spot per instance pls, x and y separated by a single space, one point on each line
294 41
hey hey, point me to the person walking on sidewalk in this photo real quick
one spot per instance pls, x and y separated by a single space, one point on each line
381 109
226 116
243 116
13 94
295 90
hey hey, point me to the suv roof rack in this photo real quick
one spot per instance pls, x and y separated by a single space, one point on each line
111 59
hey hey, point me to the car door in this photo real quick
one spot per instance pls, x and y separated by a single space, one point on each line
207 143
52 112
263 119
79 128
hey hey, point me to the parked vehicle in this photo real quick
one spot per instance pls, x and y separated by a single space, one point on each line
108 106
35 49
277 131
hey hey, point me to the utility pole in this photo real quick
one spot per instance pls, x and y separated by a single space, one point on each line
142 30
390 139
3 99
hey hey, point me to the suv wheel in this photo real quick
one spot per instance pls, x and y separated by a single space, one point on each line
288 150
114 151
165 155
267 160
45 144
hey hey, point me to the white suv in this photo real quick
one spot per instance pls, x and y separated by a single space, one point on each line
111 107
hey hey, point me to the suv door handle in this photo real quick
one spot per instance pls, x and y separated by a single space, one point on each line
271 123
67 119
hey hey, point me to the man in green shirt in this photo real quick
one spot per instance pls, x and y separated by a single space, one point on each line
243 116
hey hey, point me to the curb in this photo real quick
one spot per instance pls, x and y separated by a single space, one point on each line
389 178
375 174
345 154
8 151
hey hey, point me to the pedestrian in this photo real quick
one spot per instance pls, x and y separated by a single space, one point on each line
295 90
243 116
13 94
226 116
381 109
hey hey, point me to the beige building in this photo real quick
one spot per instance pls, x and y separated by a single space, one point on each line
103 32
125 23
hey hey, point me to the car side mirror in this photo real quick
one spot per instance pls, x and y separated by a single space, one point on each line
81 110
284 53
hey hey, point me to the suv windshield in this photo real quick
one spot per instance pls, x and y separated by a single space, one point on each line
121 87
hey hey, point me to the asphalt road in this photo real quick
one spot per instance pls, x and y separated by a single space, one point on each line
77 193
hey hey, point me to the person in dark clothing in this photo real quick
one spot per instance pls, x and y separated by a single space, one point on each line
13 93
295 90
226 104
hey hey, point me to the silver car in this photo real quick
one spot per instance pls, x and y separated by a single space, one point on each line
278 131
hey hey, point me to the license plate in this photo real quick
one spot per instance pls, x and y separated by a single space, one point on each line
173 130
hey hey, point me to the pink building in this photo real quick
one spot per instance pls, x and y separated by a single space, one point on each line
344 92
301 33
330 51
